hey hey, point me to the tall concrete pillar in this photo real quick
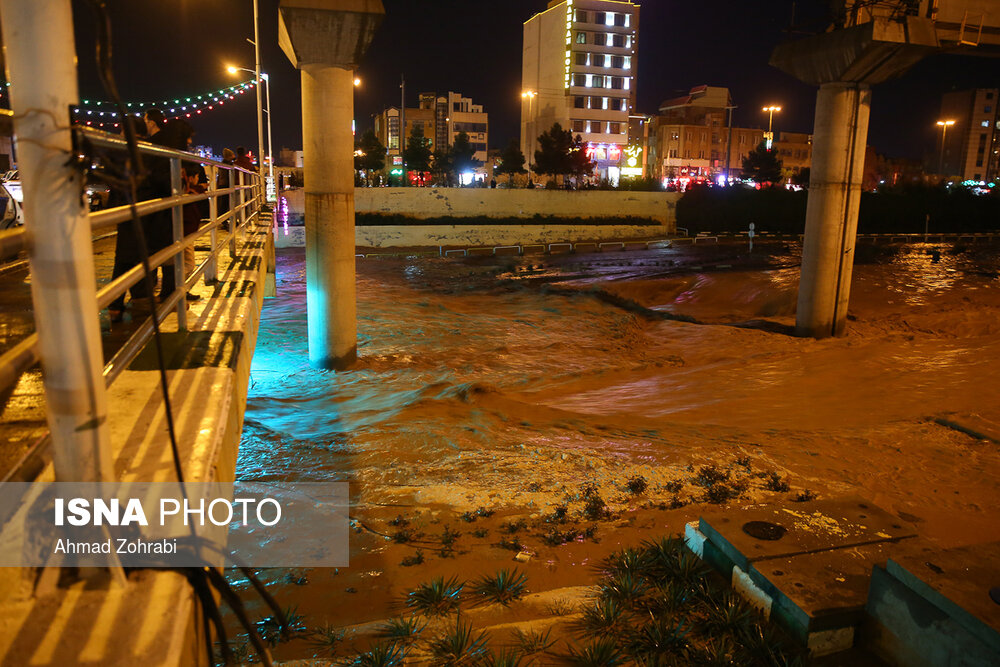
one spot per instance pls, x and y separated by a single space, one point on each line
844 63
839 137
327 110
325 39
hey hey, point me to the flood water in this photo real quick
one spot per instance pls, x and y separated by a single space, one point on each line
507 381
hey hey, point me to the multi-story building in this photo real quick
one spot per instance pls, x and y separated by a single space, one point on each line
972 144
442 118
794 149
578 69
692 140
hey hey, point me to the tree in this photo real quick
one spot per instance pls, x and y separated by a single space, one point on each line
560 153
762 165
511 161
461 155
442 167
578 163
418 150
370 156
801 177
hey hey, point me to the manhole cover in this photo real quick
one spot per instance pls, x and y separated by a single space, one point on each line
764 530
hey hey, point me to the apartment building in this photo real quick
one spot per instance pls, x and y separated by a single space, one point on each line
579 70
442 118
971 146
794 149
691 140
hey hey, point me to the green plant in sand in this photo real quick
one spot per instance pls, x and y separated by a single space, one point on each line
437 597
503 587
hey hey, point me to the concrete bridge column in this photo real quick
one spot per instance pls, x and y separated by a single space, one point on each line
326 39
840 134
328 156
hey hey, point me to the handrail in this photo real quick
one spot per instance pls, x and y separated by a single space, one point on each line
246 198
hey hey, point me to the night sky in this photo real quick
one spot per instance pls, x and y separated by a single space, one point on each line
179 48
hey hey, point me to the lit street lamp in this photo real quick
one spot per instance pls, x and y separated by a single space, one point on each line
770 119
530 95
271 194
945 124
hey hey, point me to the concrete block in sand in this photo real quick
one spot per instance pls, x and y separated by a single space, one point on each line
933 607
748 535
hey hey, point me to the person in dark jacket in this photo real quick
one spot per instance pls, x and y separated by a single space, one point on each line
127 252
176 134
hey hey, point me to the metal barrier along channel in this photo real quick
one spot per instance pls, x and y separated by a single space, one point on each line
246 194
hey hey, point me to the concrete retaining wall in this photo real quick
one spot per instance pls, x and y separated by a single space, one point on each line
408 236
422 203
503 203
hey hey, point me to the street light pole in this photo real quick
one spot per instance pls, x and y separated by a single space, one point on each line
270 156
530 95
945 124
271 188
256 84
770 119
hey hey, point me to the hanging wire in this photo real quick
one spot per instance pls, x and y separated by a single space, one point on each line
202 579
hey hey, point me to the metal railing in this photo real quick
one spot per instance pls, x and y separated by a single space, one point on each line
246 198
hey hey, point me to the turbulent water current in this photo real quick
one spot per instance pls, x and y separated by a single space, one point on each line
507 381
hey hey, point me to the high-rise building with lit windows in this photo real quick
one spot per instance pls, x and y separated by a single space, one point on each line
579 70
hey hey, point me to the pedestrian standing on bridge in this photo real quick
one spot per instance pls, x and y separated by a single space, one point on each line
225 181
176 134
127 253
157 226
243 160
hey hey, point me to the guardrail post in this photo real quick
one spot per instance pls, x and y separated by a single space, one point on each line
41 65
177 224
212 270
236 221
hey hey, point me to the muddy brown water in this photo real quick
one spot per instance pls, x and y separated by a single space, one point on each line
509 383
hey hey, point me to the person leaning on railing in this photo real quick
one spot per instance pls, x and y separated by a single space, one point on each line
127 252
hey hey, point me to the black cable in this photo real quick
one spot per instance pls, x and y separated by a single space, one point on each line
201 579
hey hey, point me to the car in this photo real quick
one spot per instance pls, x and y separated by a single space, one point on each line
11 214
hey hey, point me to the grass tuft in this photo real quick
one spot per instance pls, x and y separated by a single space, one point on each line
532 642
503 587
603 616
327 639
402 630
380 655
459 646
438 597
603 652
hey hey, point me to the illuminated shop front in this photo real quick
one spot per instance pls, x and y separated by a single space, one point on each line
608 158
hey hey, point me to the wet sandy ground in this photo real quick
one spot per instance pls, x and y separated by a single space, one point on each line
510 384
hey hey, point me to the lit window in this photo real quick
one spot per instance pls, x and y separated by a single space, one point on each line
581 38
986 123
627 63
604 103
609 18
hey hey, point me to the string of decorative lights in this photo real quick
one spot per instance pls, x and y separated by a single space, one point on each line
181 107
